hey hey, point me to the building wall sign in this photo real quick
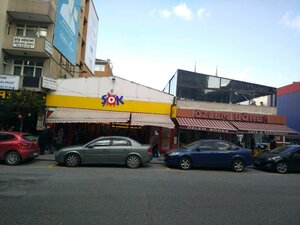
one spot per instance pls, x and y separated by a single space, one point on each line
243 117
48 47
23 42
206 129
66 28
91 38
112 100
8 82
49 83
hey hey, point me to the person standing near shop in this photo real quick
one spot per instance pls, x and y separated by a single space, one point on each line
49 140
42 140
60 138
273 143
155 142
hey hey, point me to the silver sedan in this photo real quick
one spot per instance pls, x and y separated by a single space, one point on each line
106 150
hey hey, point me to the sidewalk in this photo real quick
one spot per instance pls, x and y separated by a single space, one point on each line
46 157
158 160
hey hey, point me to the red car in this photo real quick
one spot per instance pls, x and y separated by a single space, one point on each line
17 146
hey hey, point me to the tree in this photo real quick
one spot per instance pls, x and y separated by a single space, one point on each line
21 105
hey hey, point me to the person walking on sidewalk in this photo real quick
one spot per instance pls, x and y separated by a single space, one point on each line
49 140
155 142
42 140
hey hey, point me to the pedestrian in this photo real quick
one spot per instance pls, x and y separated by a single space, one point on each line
60 138
273 144
155 142
49 140
42 140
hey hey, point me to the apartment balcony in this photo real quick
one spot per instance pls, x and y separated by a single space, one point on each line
27 46
31 10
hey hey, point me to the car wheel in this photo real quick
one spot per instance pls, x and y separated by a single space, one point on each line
282 167
185 163
238 165
133 161
72 160
12 158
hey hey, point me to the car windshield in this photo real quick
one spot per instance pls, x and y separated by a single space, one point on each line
29 137
279 149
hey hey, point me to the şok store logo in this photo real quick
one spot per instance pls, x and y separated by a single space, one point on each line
112 100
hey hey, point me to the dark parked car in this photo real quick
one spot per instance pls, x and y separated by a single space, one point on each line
17 146
210 153
106 150
282 159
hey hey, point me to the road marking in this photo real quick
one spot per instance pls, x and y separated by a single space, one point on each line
52 165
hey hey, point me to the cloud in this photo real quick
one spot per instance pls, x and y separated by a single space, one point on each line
165 13
291 20
203 13
183 11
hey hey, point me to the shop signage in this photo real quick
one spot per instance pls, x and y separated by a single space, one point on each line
48 47
4 94
112 100
23 42
243 117
267 132
206 129
9 82
49 83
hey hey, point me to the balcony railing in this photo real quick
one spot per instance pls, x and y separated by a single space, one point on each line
27 46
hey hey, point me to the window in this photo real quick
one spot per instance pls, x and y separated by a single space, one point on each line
207 146
104 142
222 146
8 26
6 137
297 154
120 142
28 68
31 30
100 68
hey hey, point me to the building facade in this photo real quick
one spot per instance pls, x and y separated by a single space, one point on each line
103 68
288 104
216 107
96 106
45 40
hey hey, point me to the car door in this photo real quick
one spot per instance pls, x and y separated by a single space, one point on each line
223 154
294 160
97 152
6 143
120 148
202 156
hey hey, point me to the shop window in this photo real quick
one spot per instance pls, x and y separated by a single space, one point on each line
28 68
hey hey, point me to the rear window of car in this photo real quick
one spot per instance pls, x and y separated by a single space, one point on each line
6 137
29 137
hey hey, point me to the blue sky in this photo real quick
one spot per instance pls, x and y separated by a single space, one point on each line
256 41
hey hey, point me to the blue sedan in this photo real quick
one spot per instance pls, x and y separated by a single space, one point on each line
210 153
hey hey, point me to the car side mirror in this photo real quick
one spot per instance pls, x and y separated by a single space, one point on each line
91 145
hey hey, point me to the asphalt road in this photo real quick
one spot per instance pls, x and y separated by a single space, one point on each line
41 192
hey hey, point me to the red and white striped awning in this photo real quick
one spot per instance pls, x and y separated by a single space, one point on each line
263 128
72 115
219 126
147 119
